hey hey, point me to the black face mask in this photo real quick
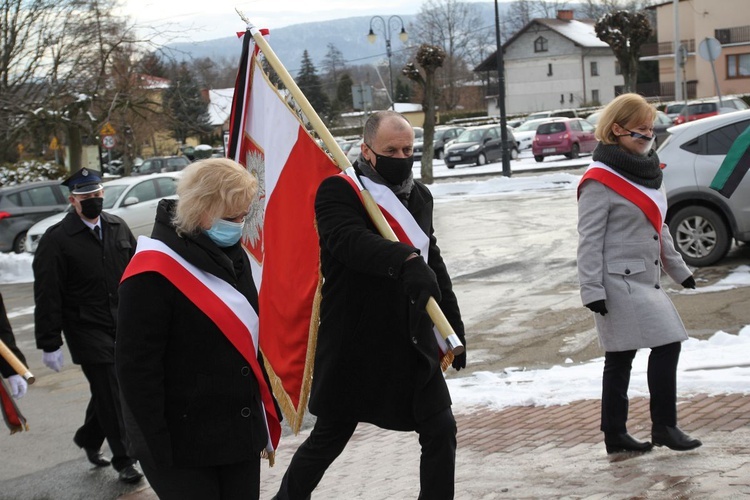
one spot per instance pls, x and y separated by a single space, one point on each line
393 170
92 207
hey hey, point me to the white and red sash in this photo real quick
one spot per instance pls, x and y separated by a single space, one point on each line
401 221
652 202
229 310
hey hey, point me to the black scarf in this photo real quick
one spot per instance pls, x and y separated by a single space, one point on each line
402 191
643 170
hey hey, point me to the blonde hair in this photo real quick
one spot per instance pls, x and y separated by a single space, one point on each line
624 109
212 188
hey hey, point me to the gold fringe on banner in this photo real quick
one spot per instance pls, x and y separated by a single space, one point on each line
294 416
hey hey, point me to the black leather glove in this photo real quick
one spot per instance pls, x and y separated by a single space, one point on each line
689 282
419 282
460 360
598 306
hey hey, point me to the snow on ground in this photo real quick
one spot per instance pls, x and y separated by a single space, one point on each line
718 365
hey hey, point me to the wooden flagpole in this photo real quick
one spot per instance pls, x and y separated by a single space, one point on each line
16 363
436 314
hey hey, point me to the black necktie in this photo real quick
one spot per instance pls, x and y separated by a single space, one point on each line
98 232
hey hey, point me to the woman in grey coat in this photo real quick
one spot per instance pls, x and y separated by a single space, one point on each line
623 245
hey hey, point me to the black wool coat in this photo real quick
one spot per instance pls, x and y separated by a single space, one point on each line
377 359
76 277
189 398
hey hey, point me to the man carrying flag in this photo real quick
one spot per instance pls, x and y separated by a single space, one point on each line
377 357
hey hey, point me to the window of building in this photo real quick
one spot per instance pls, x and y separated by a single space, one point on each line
549 69
595 96
540 44
618 69
738 66
594 68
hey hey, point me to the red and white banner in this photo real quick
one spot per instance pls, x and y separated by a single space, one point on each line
268 138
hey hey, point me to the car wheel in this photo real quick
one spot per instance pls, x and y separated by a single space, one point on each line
19 244
449 165
481 159
700 235
514 154
440 154
539 158
574 152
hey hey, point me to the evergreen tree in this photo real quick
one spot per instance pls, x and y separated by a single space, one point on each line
344 92
310 85
403 91
187 108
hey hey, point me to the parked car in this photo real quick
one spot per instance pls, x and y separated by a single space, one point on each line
661 123
132 198
673 110
568 137
525 132
354 150
555 113
702 222
22 205
479 145
696 110
443 135
159 164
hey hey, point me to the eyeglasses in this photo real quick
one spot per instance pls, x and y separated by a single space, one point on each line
636 135
236 219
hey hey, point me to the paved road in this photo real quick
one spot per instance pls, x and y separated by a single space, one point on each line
513 259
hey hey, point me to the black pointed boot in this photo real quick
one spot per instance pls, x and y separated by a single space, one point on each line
620 442
673 438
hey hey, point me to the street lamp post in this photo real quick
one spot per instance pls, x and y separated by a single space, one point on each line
387 28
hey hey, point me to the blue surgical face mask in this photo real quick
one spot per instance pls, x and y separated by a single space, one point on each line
225 233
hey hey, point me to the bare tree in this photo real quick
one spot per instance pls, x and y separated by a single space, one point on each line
430 58
625 32
451 25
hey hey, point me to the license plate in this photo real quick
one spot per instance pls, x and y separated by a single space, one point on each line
454 158
548 150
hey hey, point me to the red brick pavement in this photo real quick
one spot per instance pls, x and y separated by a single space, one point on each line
546 452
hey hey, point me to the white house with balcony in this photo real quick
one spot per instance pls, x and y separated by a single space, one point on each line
554 63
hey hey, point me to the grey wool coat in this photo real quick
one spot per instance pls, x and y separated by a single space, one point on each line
620 260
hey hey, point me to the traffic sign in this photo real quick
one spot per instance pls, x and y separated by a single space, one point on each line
108 129
709 49
108 141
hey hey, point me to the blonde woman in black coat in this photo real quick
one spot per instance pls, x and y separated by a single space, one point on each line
195 405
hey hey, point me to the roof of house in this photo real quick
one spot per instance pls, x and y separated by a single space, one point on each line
219 105
580 32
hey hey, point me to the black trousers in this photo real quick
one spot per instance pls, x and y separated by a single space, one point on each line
240 481
437 437
103 415
662 387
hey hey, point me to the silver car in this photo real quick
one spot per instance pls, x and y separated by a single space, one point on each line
134 199
701 221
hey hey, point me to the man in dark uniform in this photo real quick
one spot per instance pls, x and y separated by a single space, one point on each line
377 359
77 269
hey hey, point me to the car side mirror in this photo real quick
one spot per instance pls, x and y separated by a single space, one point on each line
130 200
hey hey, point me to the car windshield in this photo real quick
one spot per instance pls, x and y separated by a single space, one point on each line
674 108
111 194
551 128
528 126
471 135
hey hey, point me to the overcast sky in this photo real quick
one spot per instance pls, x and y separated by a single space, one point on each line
198 20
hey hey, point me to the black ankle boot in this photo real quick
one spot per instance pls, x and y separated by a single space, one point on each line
673 438
620 442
